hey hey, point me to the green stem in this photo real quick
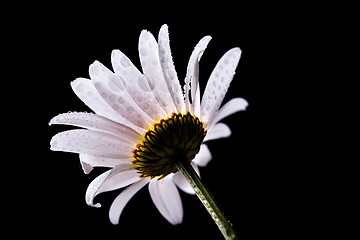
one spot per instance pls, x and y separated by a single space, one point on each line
207 199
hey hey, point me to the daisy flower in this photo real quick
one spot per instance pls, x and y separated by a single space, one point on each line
146 127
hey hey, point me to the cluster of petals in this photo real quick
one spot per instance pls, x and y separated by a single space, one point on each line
127 102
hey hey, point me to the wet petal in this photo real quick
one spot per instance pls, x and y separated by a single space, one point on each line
112 90
150 62
218 84
167 199
192 74
96 122
120 176
168 68
86 91
88 160
93 143
231 107
181 181
87 168
123 198
203 157
220 130
136 85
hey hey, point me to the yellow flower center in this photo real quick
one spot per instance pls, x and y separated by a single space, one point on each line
173 139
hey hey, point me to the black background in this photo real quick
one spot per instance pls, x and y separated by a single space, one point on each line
250 175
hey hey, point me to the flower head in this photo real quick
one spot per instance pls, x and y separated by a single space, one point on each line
144 123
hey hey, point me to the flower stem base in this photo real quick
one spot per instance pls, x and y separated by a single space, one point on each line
207 199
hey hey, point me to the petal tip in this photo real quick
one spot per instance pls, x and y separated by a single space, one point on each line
237 51
114 221
144 33
242 103
164 27
53 143
55 119
115 52
94 69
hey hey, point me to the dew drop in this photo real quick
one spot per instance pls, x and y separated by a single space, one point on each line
143 52
142 84
80 87
89 93
171 75
152 84
121 100
111 98
125 62
54 143
115 84
98 85
115 107
94 69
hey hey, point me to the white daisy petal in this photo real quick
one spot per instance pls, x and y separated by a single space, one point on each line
218 84
195 107
203 157
120 179
87 168
168 68
101 161
136 85
120 176
220 130
93 188
181 181
93 143
112 90
167 199
150 62
85 90
97 122
123 198
231 107
192 74
196 168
